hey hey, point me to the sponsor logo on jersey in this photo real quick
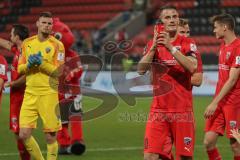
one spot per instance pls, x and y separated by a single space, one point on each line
228 55
60 56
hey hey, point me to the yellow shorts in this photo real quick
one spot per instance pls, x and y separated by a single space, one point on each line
45 106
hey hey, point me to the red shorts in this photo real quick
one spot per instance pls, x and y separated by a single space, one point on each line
164 129
14 116
224 117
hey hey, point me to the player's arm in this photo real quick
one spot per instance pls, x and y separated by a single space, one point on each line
18 82
5 44
54 69
1 83
22 63
229 84
196 79
3 72
145 63
187 62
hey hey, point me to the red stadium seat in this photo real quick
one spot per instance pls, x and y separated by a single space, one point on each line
206 40
230 3
5 35
69 2
208 49
80 9
73 17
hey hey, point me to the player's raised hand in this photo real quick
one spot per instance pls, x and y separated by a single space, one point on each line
38 59
155 37
164 39
30 61
210 110
235 133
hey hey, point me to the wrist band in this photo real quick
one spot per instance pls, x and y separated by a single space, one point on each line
173 50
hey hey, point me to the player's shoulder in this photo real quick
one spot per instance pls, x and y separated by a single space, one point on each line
186 39
237 42
29 39
52 39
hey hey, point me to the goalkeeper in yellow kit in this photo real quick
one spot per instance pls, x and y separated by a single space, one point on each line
41 57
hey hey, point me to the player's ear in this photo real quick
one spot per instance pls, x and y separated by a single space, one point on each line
37 23
225 27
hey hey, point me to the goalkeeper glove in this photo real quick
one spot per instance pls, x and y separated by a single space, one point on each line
30 61
38 58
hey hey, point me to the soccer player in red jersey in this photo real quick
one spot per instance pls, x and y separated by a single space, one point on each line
172 59
224 110
184 29
17 83
3 74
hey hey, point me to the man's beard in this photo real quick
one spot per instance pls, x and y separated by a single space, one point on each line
45 34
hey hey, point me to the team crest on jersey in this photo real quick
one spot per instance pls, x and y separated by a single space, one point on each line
193 47
187 141
233 124
48 50
228 55
238 60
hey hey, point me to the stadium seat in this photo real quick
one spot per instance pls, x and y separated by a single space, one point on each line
73 2
80 9
230 3
72 17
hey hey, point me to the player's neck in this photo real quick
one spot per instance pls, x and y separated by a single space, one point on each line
229 38
19 44
173 36
42 37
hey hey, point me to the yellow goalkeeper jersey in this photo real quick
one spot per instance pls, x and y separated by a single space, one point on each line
42 79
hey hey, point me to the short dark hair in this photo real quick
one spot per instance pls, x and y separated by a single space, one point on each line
45 14
183 22
226 19
21 30
167 7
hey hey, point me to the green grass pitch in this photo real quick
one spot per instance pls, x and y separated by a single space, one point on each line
115 135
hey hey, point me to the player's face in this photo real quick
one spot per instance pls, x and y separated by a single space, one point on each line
184 30
45 25
219 30
181 30
13 37
170 19
187 30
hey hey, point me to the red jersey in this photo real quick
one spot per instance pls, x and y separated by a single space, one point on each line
17 93
199 63
72 74
174 82
3 72
229 57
